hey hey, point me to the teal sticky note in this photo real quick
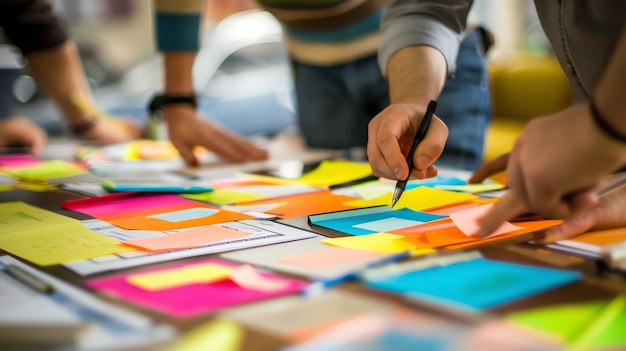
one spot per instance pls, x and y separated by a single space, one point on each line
185 215
476 284
372 220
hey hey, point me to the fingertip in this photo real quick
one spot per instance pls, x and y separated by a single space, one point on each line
193 162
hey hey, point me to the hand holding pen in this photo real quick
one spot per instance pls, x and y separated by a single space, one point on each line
419 136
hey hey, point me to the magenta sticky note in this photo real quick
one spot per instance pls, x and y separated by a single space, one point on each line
116 203
192 299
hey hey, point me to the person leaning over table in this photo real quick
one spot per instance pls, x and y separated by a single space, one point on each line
333 47
41 35
559 159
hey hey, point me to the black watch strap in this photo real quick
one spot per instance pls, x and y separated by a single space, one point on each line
159 101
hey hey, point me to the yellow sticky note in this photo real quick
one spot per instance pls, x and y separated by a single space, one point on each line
472 188
418 199
379 242
35 186
383 200
221 334
16 216
373 190
224 196
47 170
334 172
61 243
171 278
328 173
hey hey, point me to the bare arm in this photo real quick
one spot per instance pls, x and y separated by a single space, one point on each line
59 72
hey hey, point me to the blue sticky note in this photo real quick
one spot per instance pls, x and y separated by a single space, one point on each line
185 215
371 220
476 284
433 182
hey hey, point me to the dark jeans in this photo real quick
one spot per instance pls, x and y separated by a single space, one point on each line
336 103
7 76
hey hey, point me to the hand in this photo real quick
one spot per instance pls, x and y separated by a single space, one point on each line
555 166
187 130
391 135
111 130
609 212
489 168
21 131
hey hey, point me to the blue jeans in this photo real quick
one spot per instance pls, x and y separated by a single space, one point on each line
336 103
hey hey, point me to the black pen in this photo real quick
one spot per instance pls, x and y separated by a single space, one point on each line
419 136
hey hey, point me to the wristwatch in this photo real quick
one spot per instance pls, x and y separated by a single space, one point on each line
161 100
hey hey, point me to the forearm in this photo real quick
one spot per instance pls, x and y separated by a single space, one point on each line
416 74
59 72
610 93
178 67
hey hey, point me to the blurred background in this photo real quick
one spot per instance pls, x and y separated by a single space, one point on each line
242 74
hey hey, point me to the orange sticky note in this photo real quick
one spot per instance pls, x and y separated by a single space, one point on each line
306 204
189 238
158 218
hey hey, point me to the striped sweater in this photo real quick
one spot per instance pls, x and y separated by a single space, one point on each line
319 32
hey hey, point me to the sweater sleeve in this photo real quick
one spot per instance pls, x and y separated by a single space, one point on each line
436 23
32 25
177 25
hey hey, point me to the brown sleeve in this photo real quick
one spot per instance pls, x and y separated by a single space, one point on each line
32 25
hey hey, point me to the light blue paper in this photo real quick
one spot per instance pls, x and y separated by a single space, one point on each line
475 285
372 220
185 215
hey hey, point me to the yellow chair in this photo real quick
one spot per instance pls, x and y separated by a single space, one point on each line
521 89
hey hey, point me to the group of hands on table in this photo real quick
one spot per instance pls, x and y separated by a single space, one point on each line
554 169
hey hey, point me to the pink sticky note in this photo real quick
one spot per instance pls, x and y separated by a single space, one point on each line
329 257
19 160
189 238
118 203
192 299
467 220
248 277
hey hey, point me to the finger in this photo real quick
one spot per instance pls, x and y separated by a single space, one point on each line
573 226
509 206
186 153
489 168
432 146
385 155
38 144
230 146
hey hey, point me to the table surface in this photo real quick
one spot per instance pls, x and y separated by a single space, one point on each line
592 286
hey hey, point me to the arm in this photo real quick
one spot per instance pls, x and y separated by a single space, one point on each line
559 160
177 34
67 87
42 36
420 44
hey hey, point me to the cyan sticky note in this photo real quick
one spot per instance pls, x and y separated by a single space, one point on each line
476 284
372 220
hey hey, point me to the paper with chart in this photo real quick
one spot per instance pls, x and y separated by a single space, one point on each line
259 232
